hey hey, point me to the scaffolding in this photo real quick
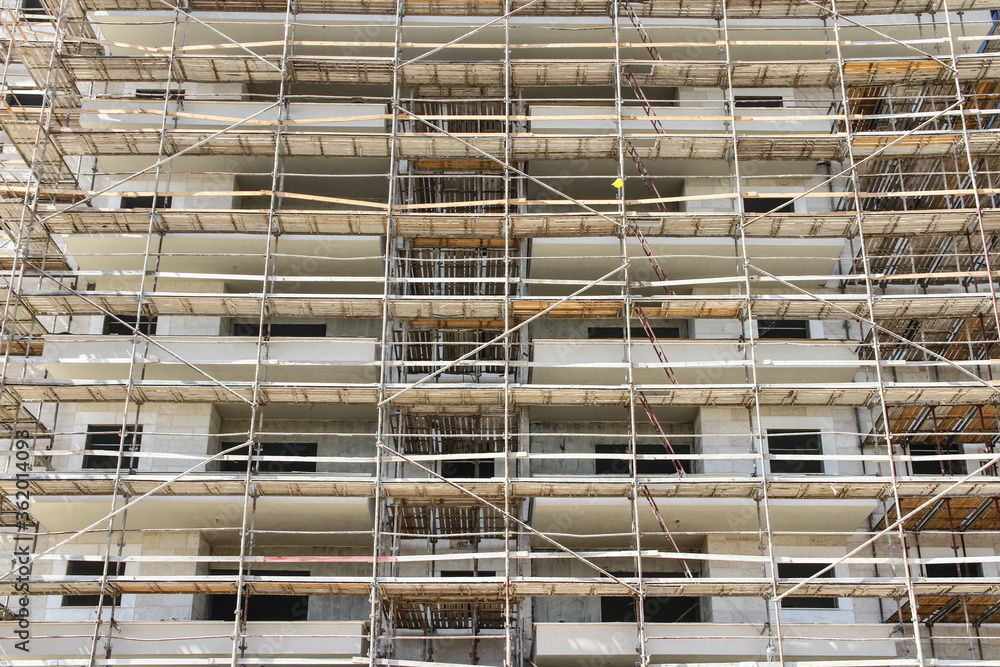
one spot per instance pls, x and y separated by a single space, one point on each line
504 332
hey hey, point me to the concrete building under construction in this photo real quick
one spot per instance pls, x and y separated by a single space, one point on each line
501 332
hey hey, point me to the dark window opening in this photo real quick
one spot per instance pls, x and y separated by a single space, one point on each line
246 329
620 609
598 94
471 468
467 573
768 204
758 101
158 94
290 330
300 330
146 202
260 607
636 332
783 329
222 607
623 466
790 442
952 570
937 467
77 568
656 610
108 439
804 571
304 450
672 610
318 93
25 99
34 10
122 325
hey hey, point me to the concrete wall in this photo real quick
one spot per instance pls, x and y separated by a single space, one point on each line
321 608
179 430
175 436
455 647
578 439
568 328
205 325
147 607
334 439
726 431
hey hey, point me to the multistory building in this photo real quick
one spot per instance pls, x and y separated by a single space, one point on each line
520 332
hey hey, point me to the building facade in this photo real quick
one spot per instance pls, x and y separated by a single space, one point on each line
520 332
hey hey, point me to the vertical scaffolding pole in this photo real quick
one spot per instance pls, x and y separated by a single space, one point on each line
383 424
137 339
859 227
757 437
508 462
260 369
634 493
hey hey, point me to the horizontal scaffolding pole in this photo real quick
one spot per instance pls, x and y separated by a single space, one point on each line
825 487
489 588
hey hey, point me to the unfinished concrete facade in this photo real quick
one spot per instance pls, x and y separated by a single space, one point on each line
501 332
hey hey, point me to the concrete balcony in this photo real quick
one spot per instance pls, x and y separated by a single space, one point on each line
223 358
118 114
594 515
209 512
232 263
578 261
184 640
559 644
719 361
707 117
